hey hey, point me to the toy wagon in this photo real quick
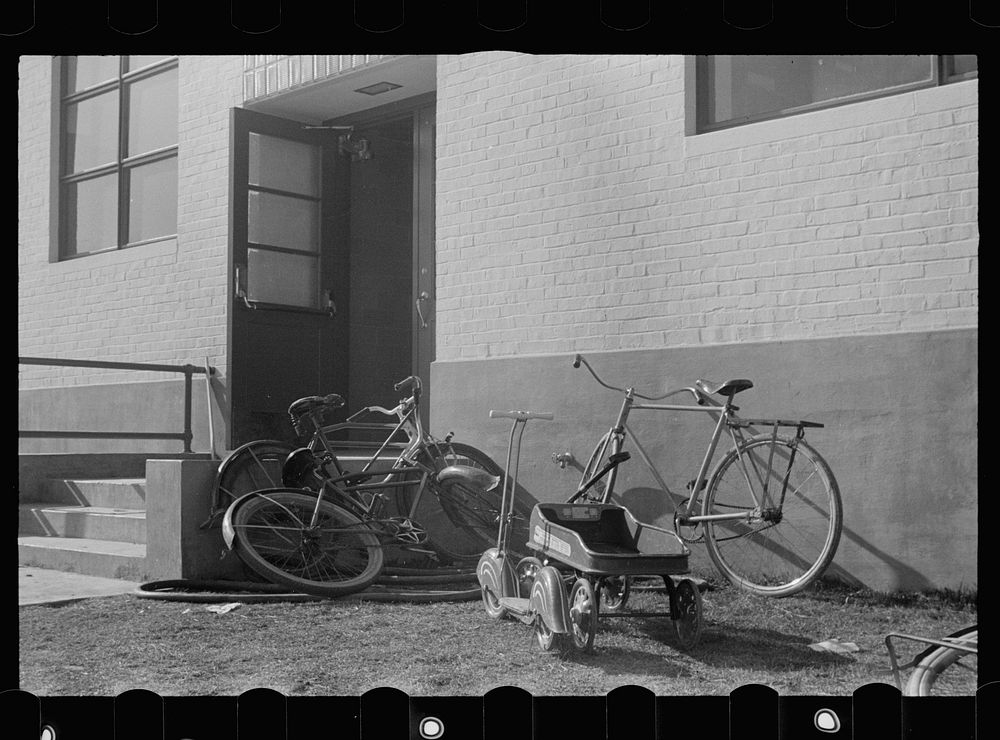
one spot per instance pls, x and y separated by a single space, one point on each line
592 548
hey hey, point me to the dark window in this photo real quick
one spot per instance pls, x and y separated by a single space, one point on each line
733 90
118 166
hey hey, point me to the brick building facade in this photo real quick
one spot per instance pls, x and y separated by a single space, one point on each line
579 206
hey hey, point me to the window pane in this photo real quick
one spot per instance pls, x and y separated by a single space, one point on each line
743 87
138 61
283 222
286 165
152 113
963 63
288 279
92 132
152 200
91 215
84 72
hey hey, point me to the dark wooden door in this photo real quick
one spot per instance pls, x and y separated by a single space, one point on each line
289 274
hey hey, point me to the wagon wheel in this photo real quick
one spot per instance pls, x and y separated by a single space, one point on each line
614 592
686 607
583 612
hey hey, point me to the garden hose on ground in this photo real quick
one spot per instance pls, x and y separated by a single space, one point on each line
394 585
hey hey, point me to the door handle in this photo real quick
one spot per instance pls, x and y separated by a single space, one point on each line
424 295
240 292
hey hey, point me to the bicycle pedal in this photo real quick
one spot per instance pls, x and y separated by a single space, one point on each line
407 531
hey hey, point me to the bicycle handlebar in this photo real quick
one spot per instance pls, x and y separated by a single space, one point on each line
521 415
413 381
580 359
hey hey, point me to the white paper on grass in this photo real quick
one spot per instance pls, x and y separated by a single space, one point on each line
835 646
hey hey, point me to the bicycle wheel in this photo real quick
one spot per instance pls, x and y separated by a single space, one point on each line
337 556
598 459
782 548
471 516
252 467
946 671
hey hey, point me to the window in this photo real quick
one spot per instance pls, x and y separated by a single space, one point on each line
118 159
733 90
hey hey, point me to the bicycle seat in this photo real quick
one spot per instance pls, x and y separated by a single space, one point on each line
727 388
314 403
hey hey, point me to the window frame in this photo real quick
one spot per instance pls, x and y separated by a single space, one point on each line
939 76
122 165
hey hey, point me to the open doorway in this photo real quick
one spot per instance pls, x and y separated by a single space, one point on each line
391 307
333 280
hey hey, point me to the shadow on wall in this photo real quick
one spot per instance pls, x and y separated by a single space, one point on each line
646 504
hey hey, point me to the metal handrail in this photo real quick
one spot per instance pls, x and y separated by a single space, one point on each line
188 371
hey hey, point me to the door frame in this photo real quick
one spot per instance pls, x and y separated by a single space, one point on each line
424 214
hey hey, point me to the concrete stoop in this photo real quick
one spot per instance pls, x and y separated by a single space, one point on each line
93 527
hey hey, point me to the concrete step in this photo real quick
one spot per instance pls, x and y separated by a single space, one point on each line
92 557
116 493
88 522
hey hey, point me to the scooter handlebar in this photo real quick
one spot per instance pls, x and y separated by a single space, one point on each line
520 415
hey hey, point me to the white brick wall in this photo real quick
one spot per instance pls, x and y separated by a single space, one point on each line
161 303
574 214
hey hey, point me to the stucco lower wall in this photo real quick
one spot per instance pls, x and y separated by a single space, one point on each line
901 434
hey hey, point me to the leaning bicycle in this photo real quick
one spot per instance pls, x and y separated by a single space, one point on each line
769 512
321 528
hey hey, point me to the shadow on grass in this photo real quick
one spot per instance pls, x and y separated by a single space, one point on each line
726 647
759 648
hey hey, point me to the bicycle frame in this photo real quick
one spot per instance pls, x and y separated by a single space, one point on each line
727 419
347 491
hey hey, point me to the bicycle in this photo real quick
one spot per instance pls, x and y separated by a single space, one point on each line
772 516
321 529
948 667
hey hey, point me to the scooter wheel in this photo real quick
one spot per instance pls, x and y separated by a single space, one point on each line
492 603
524 574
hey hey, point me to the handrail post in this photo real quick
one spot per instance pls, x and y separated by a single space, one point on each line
188 435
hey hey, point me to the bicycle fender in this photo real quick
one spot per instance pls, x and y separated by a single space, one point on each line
468 474
548 598
228 533
495 572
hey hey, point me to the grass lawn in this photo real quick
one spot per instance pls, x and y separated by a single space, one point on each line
104 646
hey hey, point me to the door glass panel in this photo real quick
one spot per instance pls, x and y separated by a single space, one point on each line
278 277
281 164
280 221
91 211
152 200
